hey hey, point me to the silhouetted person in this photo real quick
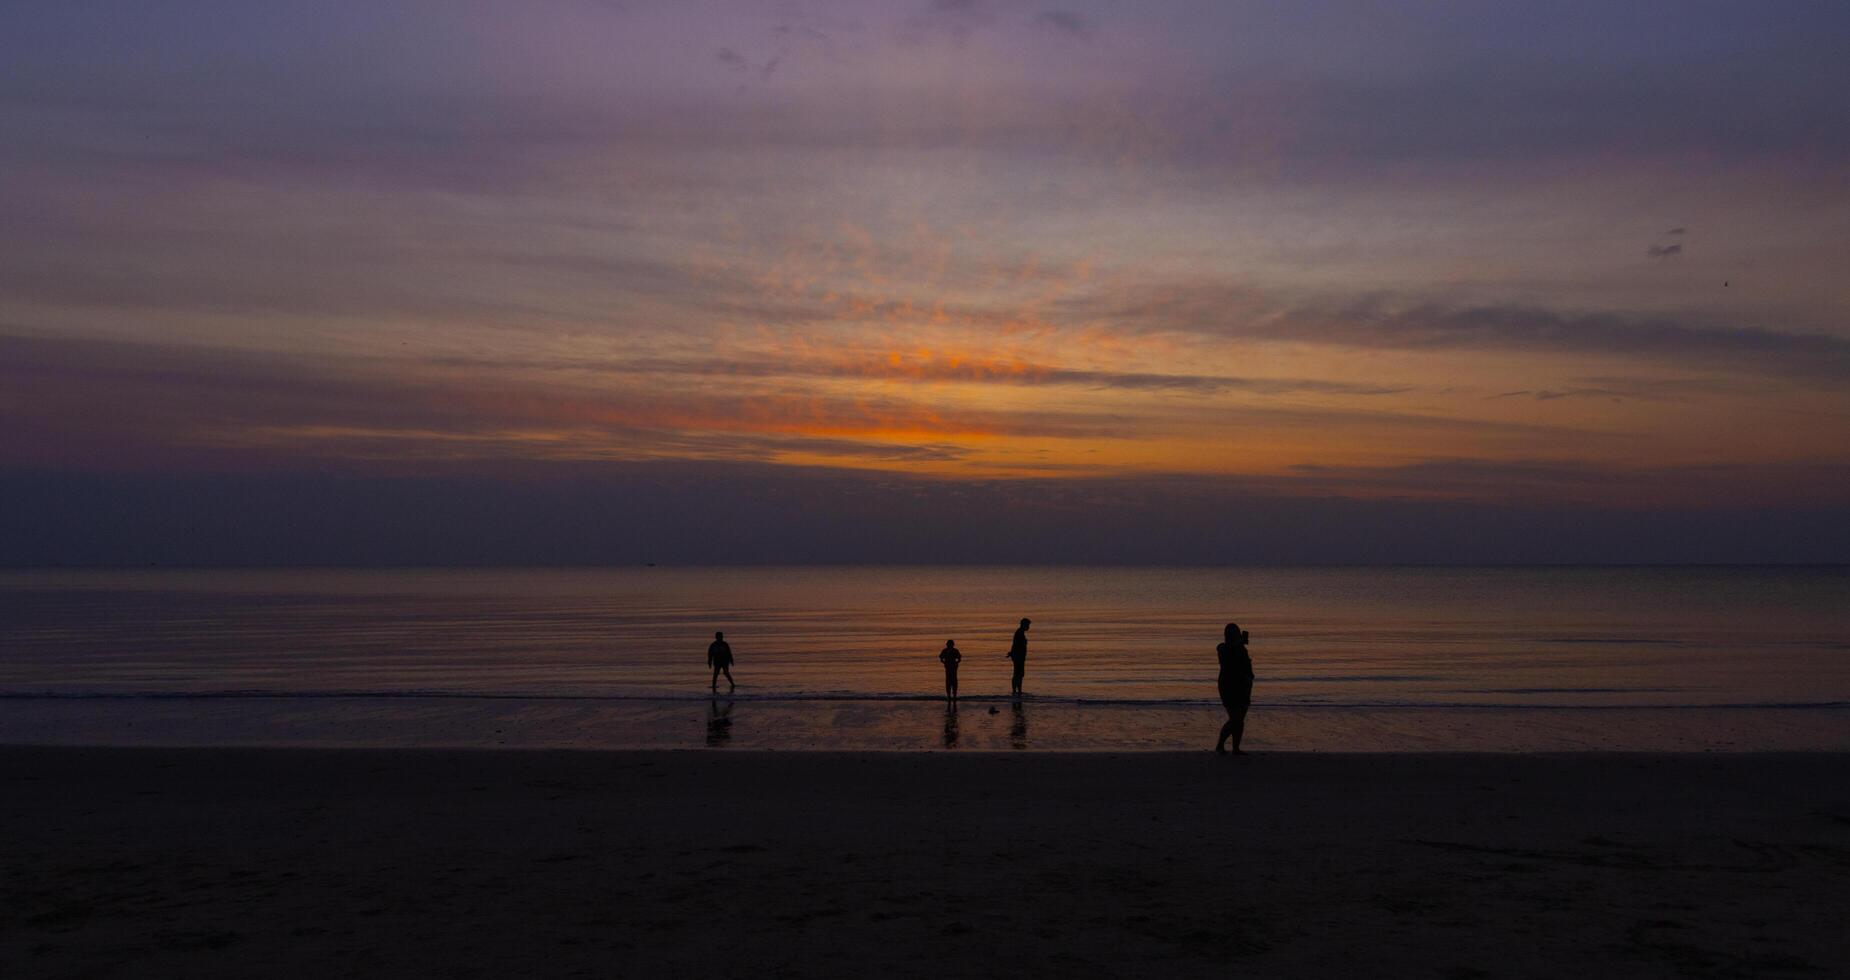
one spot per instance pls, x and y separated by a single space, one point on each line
950 657
719 657
1236 686
1018 652
950 725
719 724
1018 726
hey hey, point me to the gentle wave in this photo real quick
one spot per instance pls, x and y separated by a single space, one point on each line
883 697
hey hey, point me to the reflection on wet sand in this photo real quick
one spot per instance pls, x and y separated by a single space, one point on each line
719 724
950 725
1018 725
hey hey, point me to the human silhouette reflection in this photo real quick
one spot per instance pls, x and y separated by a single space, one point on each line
1236 686
950 725
1018 725
719 724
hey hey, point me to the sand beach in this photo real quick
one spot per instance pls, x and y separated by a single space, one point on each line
146 862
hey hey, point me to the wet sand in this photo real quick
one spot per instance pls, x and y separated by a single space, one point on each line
285 863
856 725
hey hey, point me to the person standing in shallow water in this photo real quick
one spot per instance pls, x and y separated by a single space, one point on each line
950 657
1236 686
1018 652
719 657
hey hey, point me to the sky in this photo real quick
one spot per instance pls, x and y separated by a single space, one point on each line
924 280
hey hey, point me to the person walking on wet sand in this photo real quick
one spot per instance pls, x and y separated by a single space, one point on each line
950 657
719 657
1018 652
1236 686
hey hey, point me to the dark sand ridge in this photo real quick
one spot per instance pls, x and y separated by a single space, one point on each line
285 863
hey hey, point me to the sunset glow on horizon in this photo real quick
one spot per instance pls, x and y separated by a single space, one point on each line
1303 251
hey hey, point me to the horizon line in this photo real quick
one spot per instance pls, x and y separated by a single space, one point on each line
467 566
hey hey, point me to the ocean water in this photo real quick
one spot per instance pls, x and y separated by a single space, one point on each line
1434 659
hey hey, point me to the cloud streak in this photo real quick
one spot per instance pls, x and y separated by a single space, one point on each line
1232 311
949 369
179 406
1064 22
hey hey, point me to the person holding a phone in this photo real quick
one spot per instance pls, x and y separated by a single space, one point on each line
1236 686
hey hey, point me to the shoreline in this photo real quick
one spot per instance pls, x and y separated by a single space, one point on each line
848 724
405 862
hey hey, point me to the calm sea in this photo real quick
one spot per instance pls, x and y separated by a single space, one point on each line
1120 658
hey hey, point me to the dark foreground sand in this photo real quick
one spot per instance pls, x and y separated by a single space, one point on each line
285 863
